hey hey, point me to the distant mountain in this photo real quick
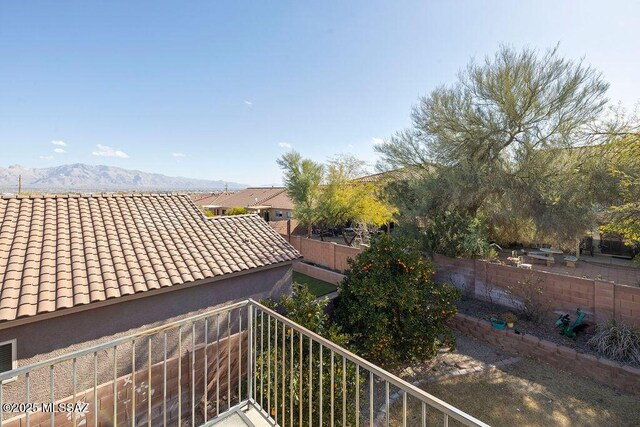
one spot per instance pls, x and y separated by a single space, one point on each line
81 177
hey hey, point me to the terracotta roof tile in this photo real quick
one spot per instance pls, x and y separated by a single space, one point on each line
274 197
62 251
57 252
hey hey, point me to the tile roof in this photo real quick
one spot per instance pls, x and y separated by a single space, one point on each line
280 201
208 199
394 174
256 196
58 251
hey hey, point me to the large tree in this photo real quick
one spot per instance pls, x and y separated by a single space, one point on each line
623 216
302 178
327 196
501 145
345 200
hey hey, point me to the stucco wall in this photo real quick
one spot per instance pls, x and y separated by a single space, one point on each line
284 217
57 336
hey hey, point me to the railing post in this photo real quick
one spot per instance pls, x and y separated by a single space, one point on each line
1 403
250 351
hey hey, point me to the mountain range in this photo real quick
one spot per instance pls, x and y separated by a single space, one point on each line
82 177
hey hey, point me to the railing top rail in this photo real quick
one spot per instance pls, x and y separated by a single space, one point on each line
118 341
441 405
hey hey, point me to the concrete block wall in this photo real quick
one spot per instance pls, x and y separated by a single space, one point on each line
318 273
626 304
600 300
459 272
326 254
603 370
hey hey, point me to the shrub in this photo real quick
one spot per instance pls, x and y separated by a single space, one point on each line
236 211
527 296
305 309
617 341
456 235
389 305
509 317
302 308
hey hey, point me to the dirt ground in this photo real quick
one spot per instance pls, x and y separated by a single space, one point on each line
502 390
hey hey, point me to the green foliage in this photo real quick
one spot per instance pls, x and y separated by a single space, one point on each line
302 177
208 213
327 196
503 145
623 216
344 201
302 370
452 234
335 205
305 309
391 307
617 341
236 211
315 286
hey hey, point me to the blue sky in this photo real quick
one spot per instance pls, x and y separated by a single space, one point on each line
219 90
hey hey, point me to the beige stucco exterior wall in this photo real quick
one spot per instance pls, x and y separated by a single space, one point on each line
42 340
286 214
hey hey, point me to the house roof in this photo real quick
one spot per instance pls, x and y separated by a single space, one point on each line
273 197
390 175
280 201
208 199
59 251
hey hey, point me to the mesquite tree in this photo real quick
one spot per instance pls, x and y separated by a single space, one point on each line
501 145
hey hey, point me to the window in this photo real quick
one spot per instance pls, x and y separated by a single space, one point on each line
278 214
288 214
8 357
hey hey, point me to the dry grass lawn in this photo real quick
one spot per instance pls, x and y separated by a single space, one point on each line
529 393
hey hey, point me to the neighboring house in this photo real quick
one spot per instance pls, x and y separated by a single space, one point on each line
202 199
271 203
281 206
382 178
79 270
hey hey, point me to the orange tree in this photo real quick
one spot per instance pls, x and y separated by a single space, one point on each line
389 305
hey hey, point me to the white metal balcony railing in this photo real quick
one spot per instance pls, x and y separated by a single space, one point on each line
202 369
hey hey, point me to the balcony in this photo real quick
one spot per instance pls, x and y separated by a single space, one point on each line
242 364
